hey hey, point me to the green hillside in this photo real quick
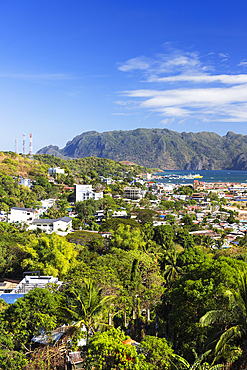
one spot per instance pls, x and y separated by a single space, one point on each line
161 148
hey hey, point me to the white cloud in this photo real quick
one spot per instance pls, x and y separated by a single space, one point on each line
243 63
225 79
185 87
166 121
224 56
141 63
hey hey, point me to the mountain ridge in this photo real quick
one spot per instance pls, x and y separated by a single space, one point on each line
161 148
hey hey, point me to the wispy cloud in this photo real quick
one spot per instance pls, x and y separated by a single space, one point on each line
243 63
224 56
186 87
166 121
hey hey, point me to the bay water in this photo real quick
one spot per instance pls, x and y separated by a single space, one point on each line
208 176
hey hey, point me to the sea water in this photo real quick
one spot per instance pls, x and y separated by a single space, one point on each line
208 176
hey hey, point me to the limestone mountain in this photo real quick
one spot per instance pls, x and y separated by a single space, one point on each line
161 148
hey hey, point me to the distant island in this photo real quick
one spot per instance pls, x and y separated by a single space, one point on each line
161 148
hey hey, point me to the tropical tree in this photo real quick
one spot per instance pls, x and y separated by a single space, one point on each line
207 241
157 352
126 238
181 363
26 316
50 254
172 270
108 351
87 307
163 235
233 319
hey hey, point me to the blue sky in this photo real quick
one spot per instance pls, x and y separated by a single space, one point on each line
67 67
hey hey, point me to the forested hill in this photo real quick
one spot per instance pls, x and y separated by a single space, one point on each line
161 148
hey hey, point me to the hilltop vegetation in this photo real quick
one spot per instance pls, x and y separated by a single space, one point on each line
84 171
83 166
161 148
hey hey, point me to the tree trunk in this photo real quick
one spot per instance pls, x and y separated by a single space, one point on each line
109 319
125 319
148 314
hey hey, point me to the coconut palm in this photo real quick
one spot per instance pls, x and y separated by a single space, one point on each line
88 308
234 318
182 364
171 268
207 241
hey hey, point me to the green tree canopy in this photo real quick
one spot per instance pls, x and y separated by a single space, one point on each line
50 254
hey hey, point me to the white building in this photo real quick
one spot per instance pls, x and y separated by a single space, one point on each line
85 192
30 282
18 214
120 213
63 224
107 180
46 204
24 182
53 170
132 193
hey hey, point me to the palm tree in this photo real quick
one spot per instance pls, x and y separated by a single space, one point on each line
197 364
207 241
88 307
171 268
234 318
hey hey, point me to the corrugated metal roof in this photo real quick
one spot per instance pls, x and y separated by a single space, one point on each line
51 220
23 209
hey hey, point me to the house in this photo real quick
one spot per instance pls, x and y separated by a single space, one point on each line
85 192
132 193
24 182
197 196
63 224
146 176
120 213
20 288
54 170
46 204
59 338
107 180
18 214
30 282
7 285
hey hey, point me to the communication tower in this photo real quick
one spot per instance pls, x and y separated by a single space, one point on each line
16 145
31 146
24 144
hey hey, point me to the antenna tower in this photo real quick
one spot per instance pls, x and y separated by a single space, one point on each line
24 144
31 146
16 146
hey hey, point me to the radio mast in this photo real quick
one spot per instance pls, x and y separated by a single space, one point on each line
16 146
24 144
31 146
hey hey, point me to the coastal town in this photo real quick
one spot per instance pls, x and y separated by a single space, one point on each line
129 236
210 205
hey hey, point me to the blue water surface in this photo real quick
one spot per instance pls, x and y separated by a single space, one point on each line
208 176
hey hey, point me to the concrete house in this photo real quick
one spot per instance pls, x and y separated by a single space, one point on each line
85 192
24 182
63 224
18 214
53 170
132 193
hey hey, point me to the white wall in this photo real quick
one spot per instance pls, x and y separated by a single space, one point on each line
85 192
